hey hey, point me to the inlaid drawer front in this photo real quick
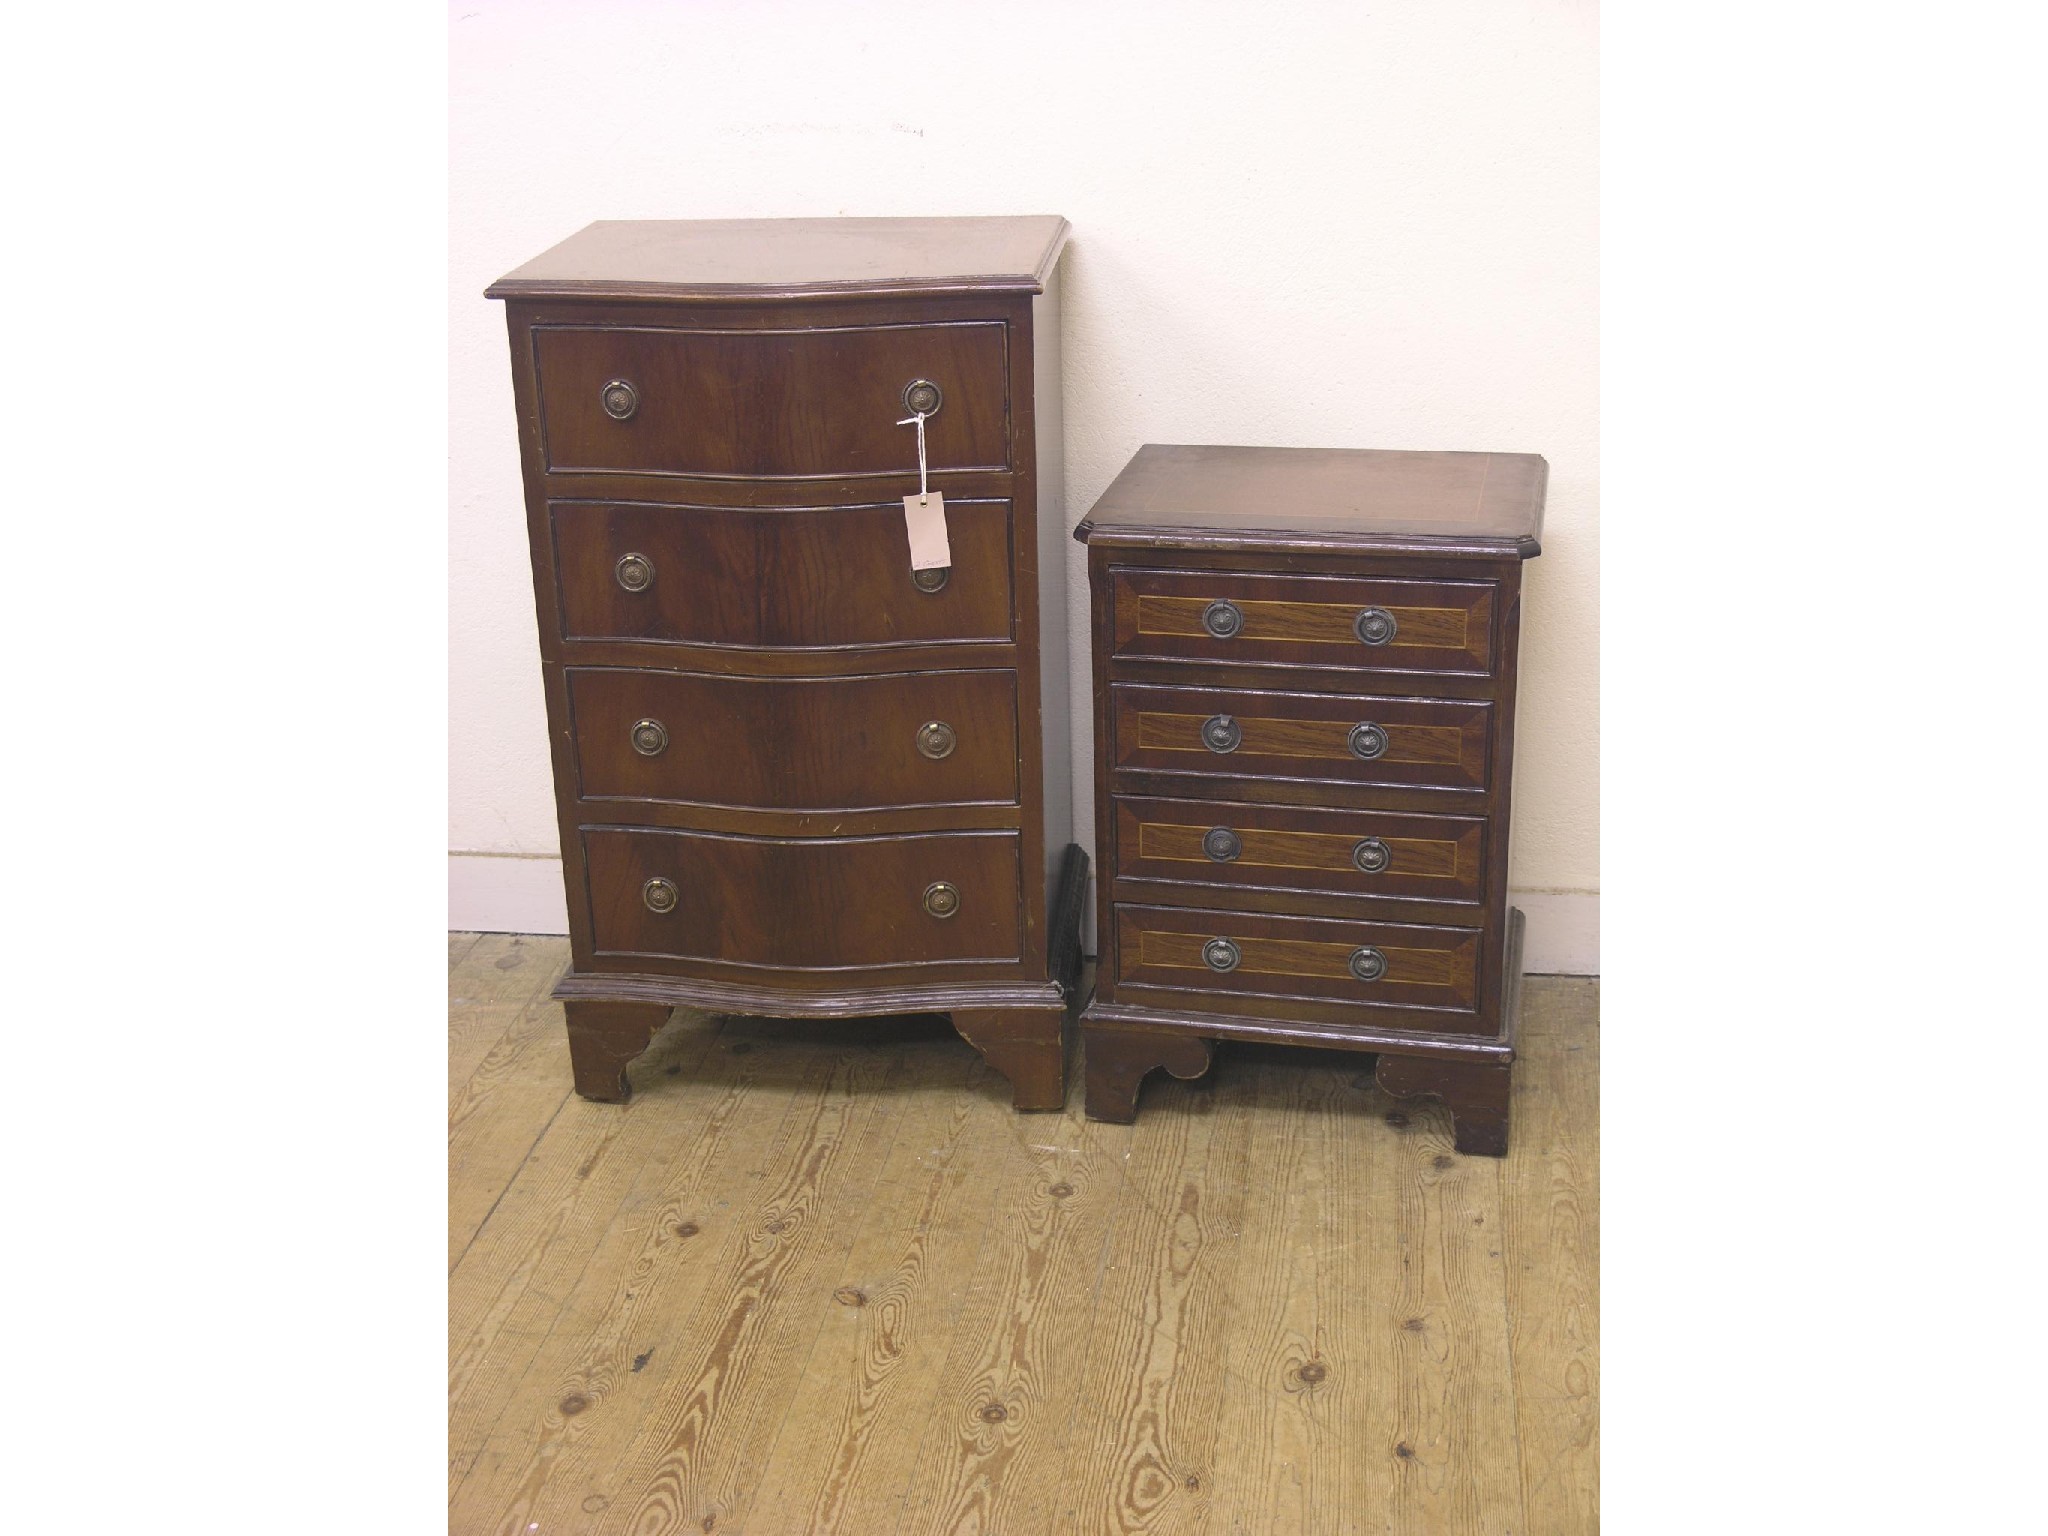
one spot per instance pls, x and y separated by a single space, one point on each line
1312 737
809 904
1193 950
772 403
779 577
1316 621
842 743
1292 848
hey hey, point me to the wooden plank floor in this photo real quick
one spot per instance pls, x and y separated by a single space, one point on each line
822 1278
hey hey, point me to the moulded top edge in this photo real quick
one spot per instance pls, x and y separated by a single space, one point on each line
792 258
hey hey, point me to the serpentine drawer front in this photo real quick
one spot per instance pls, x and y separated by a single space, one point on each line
795 776
778 577
840 904
777 743
787 402
1305 667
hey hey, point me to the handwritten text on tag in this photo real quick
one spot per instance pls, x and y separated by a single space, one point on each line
925 517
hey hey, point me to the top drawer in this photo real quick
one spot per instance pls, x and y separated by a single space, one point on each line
1373 622
780 404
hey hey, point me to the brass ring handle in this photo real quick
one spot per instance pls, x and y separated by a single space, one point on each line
634 572
1367 963
932 580
936 739
621 401
941 899
659 894
1222 844
650 737
921 397
1223 620
1221 955
1372 855
1375 626
1220 733
1367 741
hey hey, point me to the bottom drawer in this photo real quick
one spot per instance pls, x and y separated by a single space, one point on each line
803 904
1246 954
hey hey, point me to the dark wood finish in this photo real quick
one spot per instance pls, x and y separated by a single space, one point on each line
845 743
1298 958
1476 506
603 1038
1294 848
1298 542
816 402
1430 743
778 578
771 627
1118 1060
839 903
1028 1046
1193 1014
1306 621
835 997
1475 1092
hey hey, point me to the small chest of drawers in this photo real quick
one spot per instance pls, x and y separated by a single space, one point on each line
794 775
1305 668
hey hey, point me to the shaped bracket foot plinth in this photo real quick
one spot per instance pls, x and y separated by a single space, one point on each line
603 1038
1118 1059
1475 1092
1026 1045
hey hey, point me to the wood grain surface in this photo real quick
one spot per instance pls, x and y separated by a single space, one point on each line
777 578
819 402
1295 620
820 1277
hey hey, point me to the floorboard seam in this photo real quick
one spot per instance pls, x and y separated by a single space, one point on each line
546 982
569 1291
852 1239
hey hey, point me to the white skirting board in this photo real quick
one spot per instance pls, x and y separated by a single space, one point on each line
506 893
522 893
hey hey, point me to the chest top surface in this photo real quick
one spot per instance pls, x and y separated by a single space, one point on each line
768 258
1486 505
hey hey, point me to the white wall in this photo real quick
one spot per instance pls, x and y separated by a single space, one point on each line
1343 225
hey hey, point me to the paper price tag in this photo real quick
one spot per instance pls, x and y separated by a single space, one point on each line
925 518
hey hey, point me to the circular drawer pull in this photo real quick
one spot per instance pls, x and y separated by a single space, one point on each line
650 737
1220 733
932 580
1367 963
1222 844
1367 741
619 399
941 899
921 397
1372 855
1220 955
1222 619
634 572
1375 626
936 739
659 894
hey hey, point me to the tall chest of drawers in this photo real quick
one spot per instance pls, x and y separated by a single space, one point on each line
795 776
1305 666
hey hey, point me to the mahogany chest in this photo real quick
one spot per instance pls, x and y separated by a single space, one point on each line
793 775
1304 737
